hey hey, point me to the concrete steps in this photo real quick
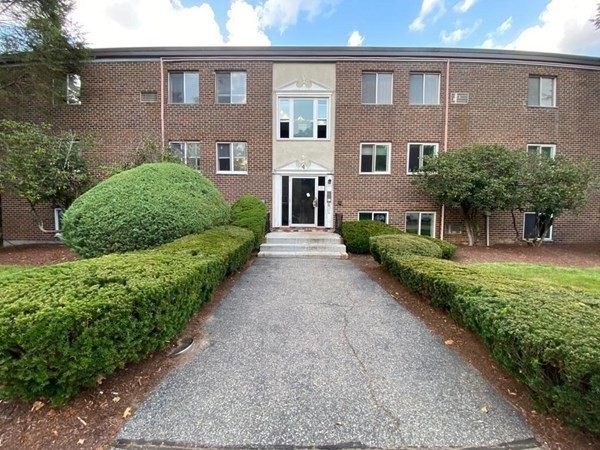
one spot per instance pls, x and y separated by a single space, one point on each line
303 244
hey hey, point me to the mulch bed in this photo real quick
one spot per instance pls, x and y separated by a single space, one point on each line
92 419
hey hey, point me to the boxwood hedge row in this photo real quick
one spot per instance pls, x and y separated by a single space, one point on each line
251 213
63 326
357 233
403 244
549 338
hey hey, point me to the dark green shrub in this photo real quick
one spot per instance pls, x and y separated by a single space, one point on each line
141 208
403 244
547 337
251 213
356 234
448 248
63 326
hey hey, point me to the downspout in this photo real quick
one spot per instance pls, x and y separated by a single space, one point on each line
162 103
443 212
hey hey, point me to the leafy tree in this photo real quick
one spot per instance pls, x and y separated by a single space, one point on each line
549 187
42 167
473 179
147 151
39 47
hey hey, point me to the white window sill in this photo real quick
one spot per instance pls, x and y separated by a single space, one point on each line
374 173
230 172
303 139
542 107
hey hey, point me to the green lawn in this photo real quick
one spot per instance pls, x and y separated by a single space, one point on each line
579 279
7 270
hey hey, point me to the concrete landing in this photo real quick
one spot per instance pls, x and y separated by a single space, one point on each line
303 244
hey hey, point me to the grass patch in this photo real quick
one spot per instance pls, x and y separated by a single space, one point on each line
586 280
9 270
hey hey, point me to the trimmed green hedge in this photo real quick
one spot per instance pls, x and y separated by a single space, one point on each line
63 326
403 244
251 213
357 233
143 207
448 248
547 337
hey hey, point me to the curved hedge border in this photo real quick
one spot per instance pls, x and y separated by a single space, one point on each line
63 326
357 233
404 244
251 213
548 338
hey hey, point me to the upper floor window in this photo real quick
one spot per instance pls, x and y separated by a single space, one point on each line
231 87
73 89
424 89
376 88
184 87
546 150
303 118
232 157
187 152
417 154
542 91
374 158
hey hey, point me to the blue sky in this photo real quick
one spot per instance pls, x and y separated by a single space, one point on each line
561 26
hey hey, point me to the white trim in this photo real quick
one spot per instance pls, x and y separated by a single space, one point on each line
387 214
420 213
439 81
422 144
232 171
388 161
303 96
550 232
540 77
553 146
377 87
57 214
169 72
217 72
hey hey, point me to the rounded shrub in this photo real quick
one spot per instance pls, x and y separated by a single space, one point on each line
404 244
143 207
448 248
251 213
356 234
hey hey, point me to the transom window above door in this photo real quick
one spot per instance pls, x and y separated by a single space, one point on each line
377 88
231 87
303 118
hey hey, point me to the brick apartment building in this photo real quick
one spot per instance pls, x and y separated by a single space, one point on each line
318 132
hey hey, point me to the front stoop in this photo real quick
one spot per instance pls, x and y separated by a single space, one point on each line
303 244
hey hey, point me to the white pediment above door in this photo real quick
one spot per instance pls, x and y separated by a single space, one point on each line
304 84
303 165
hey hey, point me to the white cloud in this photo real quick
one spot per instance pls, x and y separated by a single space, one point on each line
499 31
564 27
427 8
355 39
505 26
464 5
459 34
284 13
244 26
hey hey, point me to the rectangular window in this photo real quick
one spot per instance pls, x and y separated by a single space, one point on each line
545 150
73 89
422 223
376 88
424 89
232 157
187 152
375 158
303 118
231 87
380 216
184 87
529 230
58 215
542 91
416 156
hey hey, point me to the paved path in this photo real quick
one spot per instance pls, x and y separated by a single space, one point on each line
312 353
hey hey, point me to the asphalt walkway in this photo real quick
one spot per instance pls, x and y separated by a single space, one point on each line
313 353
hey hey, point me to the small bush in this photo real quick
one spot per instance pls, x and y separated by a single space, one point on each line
547 337
143 207
356 234
251 213
448 248
403 244
63 326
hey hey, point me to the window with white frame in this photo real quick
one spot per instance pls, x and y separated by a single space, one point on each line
545 150
58 215
424 89
422 223
231 87
530 231
377 88
184 87
542 91
73 89
416 155
187 152
303 118
232 157
379 216
375 158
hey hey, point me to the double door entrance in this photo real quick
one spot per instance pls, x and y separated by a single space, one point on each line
303 201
